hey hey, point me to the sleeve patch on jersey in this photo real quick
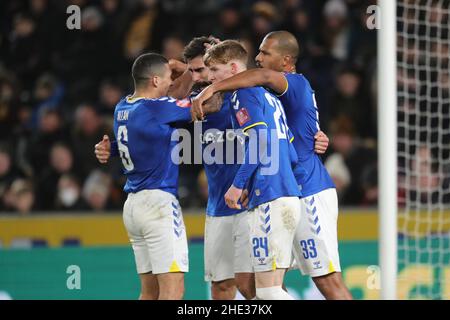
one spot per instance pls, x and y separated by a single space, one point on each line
242 116
185 103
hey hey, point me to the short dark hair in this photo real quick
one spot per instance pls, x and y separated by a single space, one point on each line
196 48
146 66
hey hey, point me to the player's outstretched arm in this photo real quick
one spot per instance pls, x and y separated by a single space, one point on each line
274 80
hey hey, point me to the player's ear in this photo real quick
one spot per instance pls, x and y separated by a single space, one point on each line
286 60
234 68
155 81
289 60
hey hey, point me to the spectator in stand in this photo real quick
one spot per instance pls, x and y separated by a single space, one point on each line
110 94
26 56
230 22
348 159
20 197
427 183
350 99
8 112
69 194
8 173
50 131
61 162
88 130
139 33
96 190
173 47
336 32
48 93
265 18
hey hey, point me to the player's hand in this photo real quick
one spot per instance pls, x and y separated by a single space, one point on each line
197 103
103 150
232 197
321 142
212 41
244 198
177 66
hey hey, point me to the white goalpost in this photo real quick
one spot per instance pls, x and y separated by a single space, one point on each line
387 148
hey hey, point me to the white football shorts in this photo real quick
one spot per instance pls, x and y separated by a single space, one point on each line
316 245
155 226
227 246
272 231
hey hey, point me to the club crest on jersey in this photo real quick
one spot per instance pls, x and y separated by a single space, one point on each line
185 103
242 116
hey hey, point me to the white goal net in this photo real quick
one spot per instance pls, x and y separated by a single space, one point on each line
423 72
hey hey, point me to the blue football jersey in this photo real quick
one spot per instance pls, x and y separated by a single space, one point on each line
145 131
303 120
258 109
220 166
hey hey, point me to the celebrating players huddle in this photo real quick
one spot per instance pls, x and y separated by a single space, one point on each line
271 207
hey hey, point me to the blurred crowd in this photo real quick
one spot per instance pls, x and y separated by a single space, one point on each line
59 87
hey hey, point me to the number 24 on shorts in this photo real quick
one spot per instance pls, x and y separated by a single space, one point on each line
260 243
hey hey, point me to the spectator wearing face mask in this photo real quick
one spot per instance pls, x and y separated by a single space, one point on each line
61 162
69 194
